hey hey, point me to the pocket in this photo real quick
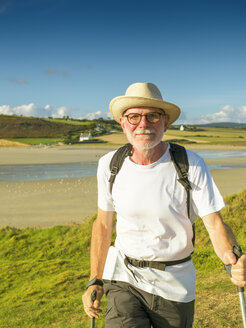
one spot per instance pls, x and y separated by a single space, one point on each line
111 310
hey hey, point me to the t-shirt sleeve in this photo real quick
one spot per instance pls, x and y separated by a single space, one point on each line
205 196
105 201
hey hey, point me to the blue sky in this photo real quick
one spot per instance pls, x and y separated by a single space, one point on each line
71 57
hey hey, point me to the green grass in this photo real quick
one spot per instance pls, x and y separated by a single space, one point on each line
207 135
37 141
43 273
228 136
73 122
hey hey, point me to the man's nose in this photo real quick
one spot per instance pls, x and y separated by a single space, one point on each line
143 121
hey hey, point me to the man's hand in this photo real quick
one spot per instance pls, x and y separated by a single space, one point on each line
238 268
90 307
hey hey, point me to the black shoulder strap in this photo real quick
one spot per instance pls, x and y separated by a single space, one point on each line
117 161
180 160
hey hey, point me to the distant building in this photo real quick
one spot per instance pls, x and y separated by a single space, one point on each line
85 137
98 128
183 127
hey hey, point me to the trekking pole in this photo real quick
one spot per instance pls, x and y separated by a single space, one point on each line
93 298
238 253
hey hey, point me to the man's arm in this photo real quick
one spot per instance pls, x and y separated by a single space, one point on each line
100 243
223 240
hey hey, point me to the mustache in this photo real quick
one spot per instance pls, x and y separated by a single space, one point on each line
144 131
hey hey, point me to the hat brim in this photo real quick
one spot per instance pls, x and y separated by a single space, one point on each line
120 104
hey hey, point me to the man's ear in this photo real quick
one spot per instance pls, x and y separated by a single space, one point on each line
166 122
122 123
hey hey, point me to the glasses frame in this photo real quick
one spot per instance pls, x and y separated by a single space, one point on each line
146 115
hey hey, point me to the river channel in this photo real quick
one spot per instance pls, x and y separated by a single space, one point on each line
33 172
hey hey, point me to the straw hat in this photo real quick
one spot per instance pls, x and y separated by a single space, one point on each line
142 95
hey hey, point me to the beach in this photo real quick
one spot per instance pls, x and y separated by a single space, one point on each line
46 203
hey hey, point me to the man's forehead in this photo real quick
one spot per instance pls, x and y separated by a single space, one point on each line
142 109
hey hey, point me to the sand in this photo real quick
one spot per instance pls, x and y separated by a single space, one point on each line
51 154
66 201
8 143
48 202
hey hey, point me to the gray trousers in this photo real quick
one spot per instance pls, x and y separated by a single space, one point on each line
130 307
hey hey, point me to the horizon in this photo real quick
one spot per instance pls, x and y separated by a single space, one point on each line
67 57
69 118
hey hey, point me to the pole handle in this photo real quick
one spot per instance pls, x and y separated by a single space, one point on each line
237 251
93 295
93 298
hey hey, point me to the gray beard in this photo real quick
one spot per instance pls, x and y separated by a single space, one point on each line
148 144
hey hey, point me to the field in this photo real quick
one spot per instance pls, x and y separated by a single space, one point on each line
12 126
44 271
33 131
37 141
72 122
233 137
206 136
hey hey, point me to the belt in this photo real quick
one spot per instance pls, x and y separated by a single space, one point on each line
152 264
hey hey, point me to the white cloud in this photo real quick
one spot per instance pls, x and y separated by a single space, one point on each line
95 115
49 111
6 110
227 113
61 112
242 112
33 110
92 116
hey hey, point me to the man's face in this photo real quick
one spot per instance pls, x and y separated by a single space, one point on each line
144 135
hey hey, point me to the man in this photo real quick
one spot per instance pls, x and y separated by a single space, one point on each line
153 225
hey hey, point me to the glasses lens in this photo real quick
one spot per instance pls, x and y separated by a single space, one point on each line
134 118
153 117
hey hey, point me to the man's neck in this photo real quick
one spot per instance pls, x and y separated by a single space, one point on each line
148 156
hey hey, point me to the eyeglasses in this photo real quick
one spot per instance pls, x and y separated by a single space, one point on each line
135 118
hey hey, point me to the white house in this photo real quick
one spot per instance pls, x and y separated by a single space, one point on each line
85 136
183 127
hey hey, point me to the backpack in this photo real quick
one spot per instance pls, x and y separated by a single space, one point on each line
179 158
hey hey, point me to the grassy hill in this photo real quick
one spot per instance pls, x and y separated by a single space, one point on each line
44 271
31 127
205 136
225 125
12 126
33 130
210 135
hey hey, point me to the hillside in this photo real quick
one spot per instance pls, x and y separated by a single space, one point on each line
30 127
44 271
225 125
12 126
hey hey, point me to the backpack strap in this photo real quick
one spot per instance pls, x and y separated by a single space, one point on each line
180 160
117 161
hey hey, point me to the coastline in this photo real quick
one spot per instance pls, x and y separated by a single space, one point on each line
65 154
45 203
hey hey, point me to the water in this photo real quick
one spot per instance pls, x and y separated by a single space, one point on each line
221 153
32 172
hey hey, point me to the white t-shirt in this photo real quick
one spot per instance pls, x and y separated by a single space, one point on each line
152 221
